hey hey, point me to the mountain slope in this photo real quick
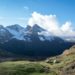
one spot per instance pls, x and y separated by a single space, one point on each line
64 63
5 54
5 35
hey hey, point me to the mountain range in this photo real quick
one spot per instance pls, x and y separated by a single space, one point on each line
32 41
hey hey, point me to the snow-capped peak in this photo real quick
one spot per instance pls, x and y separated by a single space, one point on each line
15 27
28 33
17 31
37 28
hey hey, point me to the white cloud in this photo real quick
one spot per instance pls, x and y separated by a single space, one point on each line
68 29
50 23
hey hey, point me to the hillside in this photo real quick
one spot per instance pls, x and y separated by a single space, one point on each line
4 53
63 64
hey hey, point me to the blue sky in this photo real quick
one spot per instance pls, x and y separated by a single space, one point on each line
19 11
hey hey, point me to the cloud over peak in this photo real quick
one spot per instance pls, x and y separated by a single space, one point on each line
51 24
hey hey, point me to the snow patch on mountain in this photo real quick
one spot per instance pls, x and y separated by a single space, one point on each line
45 35
16 34
28 33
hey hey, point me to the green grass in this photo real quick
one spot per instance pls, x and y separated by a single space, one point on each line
44 74
25 68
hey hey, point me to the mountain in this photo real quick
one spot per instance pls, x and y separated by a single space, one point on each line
20 33
17 31
69 38
5 54
31 41
37 28
5 35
